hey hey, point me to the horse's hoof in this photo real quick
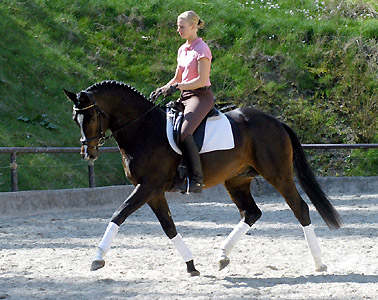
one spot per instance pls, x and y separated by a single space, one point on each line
194 273
97 264
191 269
322 268
223 263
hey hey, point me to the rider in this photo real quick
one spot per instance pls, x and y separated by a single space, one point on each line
192 78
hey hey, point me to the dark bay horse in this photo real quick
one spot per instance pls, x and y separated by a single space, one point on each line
263 146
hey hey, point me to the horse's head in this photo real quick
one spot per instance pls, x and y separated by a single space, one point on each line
92 122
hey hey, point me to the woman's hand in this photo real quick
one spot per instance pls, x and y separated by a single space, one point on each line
155 94
166 91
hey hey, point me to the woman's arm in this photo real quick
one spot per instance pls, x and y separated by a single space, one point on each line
201 80
176 78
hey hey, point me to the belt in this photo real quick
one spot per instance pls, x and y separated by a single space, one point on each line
204 88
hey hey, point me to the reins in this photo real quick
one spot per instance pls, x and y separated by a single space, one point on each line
114 134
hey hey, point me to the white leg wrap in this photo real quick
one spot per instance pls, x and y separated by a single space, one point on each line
233 238
99 254
109 235
312 241
181 247
314 247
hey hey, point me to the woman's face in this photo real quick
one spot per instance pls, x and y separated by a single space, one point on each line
185 29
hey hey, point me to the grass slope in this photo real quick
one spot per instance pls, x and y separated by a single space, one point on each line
312 64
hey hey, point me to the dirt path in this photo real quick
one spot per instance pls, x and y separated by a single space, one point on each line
48 256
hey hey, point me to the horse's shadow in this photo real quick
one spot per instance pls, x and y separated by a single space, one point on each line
274 281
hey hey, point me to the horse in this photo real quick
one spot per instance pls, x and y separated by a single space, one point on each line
264 146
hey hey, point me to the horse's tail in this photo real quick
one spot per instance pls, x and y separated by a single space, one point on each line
310 185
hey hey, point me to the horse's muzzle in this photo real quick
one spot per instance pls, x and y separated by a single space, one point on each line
89 153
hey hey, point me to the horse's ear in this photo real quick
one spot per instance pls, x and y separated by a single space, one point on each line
71 96
84 97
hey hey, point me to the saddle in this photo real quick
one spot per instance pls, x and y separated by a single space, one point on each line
213 134
175 110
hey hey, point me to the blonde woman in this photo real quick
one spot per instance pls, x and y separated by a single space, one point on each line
192 78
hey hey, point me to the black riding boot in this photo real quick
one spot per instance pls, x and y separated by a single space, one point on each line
190 152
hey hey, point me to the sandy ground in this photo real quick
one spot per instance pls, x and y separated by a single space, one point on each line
48 255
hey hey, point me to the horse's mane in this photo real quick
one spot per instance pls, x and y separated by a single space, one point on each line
114 83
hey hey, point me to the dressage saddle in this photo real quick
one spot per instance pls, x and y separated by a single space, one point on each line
176 108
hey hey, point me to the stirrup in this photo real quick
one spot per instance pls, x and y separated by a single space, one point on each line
193 186
187 186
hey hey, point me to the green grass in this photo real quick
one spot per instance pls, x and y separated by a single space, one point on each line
312 65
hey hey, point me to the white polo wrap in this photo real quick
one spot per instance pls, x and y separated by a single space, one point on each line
312 241
181 247
109 235
234 237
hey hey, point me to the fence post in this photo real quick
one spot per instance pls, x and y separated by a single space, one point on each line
91 174
13 168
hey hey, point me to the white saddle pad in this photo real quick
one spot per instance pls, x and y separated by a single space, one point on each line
218 134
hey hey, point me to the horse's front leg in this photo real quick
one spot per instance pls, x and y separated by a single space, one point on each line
140 195
162 212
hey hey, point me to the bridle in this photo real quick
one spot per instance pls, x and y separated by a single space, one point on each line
101 137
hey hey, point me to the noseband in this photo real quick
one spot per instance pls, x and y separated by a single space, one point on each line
101 137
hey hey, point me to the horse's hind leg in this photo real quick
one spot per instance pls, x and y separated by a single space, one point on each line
160 207
300 209
240 193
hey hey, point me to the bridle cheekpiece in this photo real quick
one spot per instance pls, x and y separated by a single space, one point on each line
101 136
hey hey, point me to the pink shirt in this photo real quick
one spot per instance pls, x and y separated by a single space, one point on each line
188 57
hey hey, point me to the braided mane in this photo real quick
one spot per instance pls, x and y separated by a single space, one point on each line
107 83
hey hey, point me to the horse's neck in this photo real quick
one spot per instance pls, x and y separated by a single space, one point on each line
122 108
134 119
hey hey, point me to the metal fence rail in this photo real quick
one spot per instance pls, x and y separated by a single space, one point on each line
339 146
27 150
91 175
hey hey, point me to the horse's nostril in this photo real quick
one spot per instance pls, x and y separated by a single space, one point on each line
89 156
